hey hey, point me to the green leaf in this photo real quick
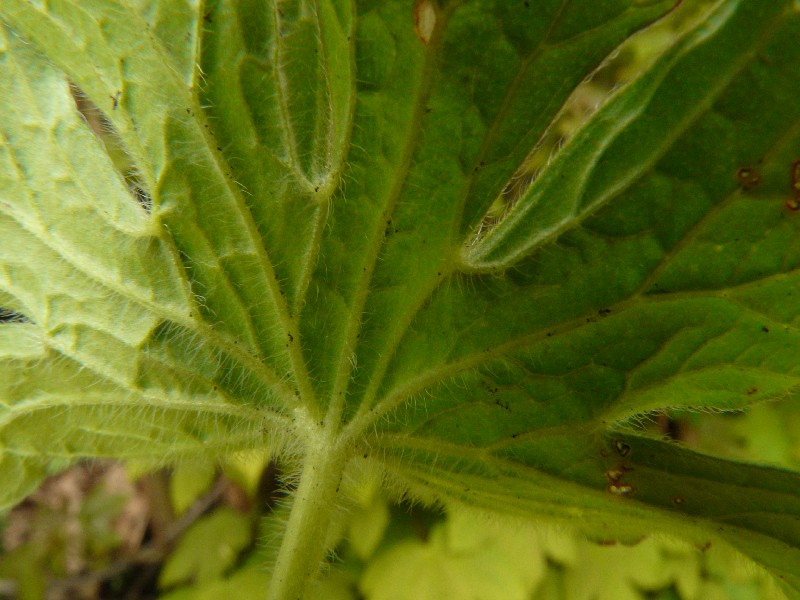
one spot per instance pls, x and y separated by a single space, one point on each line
246 584
187 482
465 557
306 257
207 549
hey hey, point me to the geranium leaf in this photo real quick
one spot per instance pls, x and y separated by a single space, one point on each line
304 253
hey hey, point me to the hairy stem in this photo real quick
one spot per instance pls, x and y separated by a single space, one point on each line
304 543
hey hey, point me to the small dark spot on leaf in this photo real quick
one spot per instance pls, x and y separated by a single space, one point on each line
623 449
765 329
218 148
793 203
316 188
115 100
604 311
752 391
748 177
290 336
796 179
678 500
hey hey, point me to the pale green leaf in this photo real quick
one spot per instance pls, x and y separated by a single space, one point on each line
207 549
187 482
466 557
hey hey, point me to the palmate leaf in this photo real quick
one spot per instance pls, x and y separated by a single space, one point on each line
310 267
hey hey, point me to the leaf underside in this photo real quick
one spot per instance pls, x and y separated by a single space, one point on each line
296 239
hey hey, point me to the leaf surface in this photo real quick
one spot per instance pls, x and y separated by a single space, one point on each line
311 264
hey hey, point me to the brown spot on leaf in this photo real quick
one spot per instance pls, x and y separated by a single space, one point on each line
793 203
748 177
424 20
796 179
705 547
623 449
623 490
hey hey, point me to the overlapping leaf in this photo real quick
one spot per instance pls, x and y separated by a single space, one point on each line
108 360
314 252
640 274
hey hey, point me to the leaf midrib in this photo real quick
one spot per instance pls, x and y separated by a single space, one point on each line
449 267
91 399
394 398
315 244
354 319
